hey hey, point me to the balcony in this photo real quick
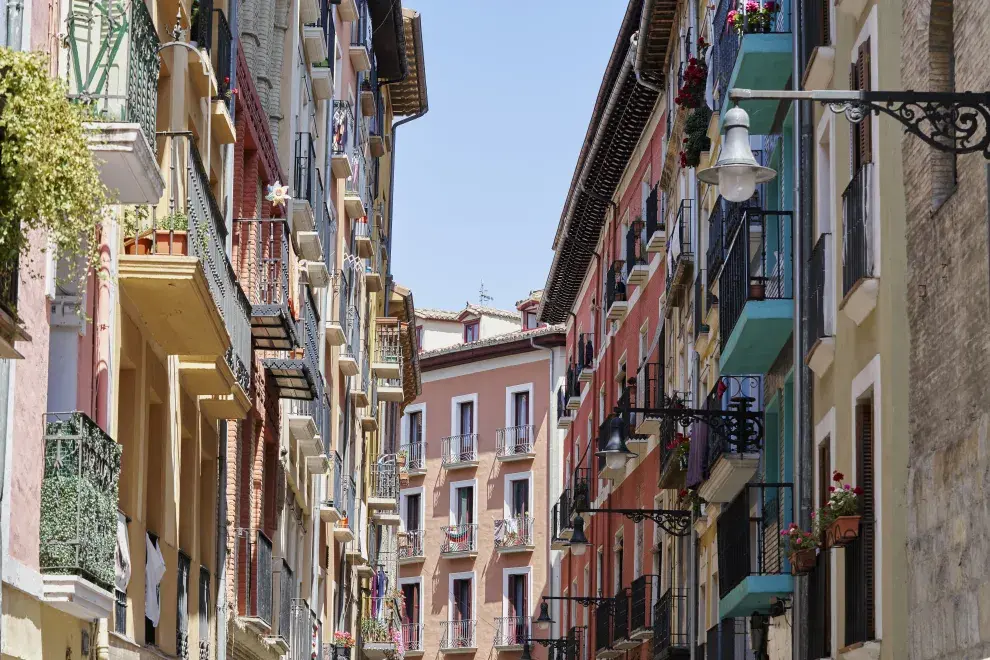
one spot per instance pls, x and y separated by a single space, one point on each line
459 451
332 507
121 86
860 280
350 352
325 216
673 460
458 637
255 590
360 49
656 230
334 328
414 455
304 200
380 625
641 619
731 462
603 635
211 32
820 323
390 390
358 389
413 550
511 632
515 443
679 260
388 349
347 10
300 377
760 58
621 639
753 571
316 38
412 638
701 329
374 270
345 529
383 492
649 394
574 388
514 534
565 416
756 309
361 237
369 413
616 303
340 145
272 326
586 357
78 515
459 541
304 629
322 76
300 416
368 86
637 257
286 595
561 524
671 635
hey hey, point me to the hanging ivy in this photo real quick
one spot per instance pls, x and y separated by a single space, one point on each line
696 138
48 180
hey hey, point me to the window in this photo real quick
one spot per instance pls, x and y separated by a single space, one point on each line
638 549
529 320
520 408
465 417
471 331
413 504
419 337
600 567
464 505
518 597
519 497
416 427
411 615
462 599
619 557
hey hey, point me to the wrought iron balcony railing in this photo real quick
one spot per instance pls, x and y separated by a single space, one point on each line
79 499
654 216
603 629
343 126
337 486
615 284
254 557
413 547
857 231
620 617
287 592
670 622
380 620
641 593
635 247
361 28
515 440
301 629
458 634
727 41
415 455
700 292
512 630
325 23
459 538
820 284
385 478
586 350
388 347
749 540
211 31
728 393
412 636
456 449
268 270
113 61
514 532
308 331
304 169
560 516
757 265
350 499
680 254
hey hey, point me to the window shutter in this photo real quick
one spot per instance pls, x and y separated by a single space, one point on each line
826 35
864 413
866 126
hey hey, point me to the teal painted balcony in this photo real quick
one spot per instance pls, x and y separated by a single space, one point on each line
752 52
755 288
754 571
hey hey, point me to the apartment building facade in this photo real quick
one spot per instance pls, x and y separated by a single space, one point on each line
197 446
477 449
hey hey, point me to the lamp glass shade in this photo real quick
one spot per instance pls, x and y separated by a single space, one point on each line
615 452
579 542
615 461
737 173
736 183
543 621
579 550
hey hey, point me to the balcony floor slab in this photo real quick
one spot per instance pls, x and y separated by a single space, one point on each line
756 593
763 62
758 337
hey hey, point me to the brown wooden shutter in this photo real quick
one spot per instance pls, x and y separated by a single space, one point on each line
864 441
865 127
826 35
854 135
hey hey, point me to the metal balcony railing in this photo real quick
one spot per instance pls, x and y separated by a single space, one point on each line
380 620
337 483
304 169
603 629
459 538
385 478
635 247
350 500
819 607
514 532
254 563
857 231
679 248
560 516
301 629
325 218
819 282
586 351
620 618
95 32
727 42
222 55
79 499
361 28
415 455
699 302
654 220
457 449
286 594
615 285
670 622
515 440
733 393
414 544
715 256
388 347
513 630
458 634
343 124
749 541
412 636
325 23
641 592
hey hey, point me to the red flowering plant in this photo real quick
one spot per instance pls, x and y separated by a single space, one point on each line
753 16
843 500
679 445
800 539
691 93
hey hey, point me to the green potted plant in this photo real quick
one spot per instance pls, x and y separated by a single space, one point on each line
802 548
840 516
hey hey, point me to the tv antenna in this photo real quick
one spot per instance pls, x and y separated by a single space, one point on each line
483 297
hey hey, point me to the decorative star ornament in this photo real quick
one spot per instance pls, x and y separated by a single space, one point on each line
278 194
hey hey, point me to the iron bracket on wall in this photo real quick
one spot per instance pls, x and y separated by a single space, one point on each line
603 602
675 522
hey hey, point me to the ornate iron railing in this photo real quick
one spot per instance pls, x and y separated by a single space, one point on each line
304 170
615 285
458 634
757 266
343 124
514 532
603 629
820 321
512 630
749 540
679 249
201 31
223 57
113 61
515 440
385 478
620 617
857 231
182 606
459 538
254 557
78 531
728 393
456 449
414 544
309 332
287 593
388 348
725 51
415 455
654 220
586 351
635 247
670 622
641 592
412 636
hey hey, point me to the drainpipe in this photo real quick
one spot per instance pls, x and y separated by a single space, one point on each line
637 51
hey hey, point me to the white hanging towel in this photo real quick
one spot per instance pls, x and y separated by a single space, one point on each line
123 555
153 574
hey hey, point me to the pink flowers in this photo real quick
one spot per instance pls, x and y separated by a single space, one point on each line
752 6
732 16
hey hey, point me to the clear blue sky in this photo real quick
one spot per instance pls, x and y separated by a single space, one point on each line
481 178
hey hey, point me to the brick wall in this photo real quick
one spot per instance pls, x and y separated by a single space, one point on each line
948 310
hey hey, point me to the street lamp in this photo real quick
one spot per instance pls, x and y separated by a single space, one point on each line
543 621
579 542
616 453
737 173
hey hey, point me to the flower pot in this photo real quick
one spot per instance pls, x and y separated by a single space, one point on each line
842 531
158 241
757 290
401 460
803 561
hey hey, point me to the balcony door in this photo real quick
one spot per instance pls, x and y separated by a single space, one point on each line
520 415
411 615
464 506
461 613
412 512
518 607
519 502
465 441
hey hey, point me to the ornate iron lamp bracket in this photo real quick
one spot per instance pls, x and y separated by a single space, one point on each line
675 522
740 426
603 602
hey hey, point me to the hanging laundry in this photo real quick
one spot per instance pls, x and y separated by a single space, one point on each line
122 558
153 573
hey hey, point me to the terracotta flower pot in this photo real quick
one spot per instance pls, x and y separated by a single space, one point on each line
802 561
158 241
843 531
757 290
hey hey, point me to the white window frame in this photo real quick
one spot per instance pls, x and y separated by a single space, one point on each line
510 409
516 570
870 31
406 414
507 491
404 505
825 432
455 401
454 485
418 580
463 575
